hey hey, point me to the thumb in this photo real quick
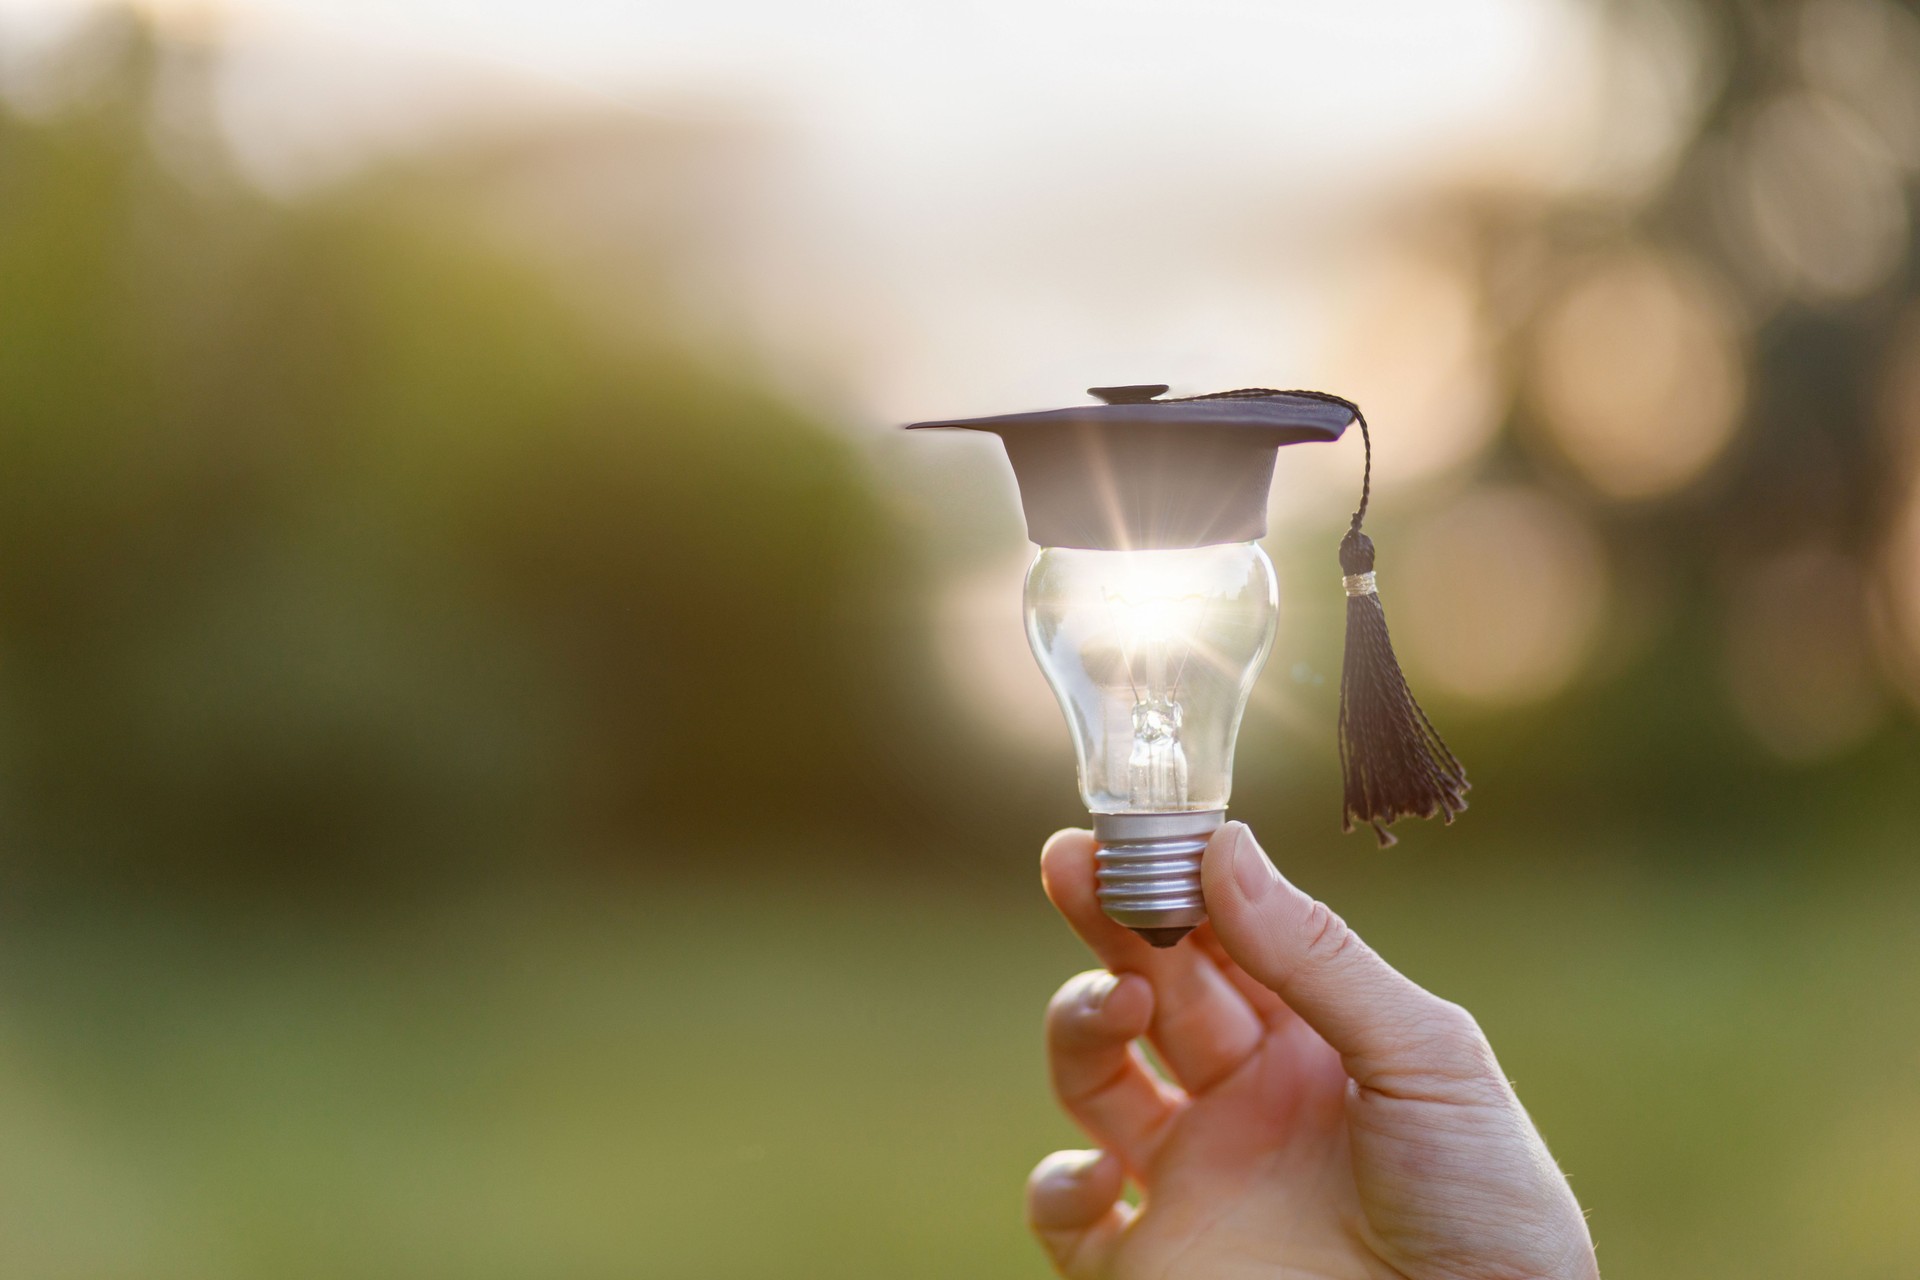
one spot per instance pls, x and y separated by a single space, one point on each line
1393 1035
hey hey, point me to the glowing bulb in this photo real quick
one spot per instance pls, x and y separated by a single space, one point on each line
1151 609
1153 655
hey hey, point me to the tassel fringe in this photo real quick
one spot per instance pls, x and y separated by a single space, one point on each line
1393 760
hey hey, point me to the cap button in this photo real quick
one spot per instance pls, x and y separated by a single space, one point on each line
1128 395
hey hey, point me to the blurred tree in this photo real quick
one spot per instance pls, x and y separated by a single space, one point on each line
338 544
335 549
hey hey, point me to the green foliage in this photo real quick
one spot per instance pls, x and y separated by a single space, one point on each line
333 546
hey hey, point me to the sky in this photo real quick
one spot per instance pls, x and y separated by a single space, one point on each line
976 207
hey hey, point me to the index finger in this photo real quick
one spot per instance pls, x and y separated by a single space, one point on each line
1202 1026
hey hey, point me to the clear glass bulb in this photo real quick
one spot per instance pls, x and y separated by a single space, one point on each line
1153 655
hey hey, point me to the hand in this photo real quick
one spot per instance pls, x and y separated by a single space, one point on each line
1325 1118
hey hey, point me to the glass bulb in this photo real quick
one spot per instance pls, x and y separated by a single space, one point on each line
1153 655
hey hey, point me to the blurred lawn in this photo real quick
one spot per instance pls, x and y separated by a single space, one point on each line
805 1078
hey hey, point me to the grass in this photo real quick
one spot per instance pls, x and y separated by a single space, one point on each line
779 1078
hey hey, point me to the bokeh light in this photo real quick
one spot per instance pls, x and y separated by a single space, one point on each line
1866 54
1897 395
1817 199
1414 348
990 673
1407 338
1898 598
1499 596
1895 590
1638 372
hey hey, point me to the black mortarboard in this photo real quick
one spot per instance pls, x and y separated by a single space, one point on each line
1140 472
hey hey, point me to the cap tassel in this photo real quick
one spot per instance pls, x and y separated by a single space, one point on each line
1394 761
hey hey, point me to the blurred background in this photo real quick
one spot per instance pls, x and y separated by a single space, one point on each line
510 765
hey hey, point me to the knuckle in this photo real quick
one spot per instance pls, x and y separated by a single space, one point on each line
1469 1038
1440 1055
1455 1048
1456 1022
1328 937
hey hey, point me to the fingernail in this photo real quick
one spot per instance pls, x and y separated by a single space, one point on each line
1063 1168
1098 988
1251 870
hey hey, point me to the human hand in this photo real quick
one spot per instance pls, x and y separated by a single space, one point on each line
1326 1117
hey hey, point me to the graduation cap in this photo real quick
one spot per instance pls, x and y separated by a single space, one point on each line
1138 472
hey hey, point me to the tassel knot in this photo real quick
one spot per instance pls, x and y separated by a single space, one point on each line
1356 552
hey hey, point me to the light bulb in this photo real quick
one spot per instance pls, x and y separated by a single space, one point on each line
1151 610
1152 655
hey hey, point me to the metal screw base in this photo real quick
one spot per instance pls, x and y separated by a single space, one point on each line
1147 870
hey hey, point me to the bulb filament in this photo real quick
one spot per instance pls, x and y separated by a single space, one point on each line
1157 764
1157 627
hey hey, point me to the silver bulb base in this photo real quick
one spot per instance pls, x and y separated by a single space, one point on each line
1147 870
